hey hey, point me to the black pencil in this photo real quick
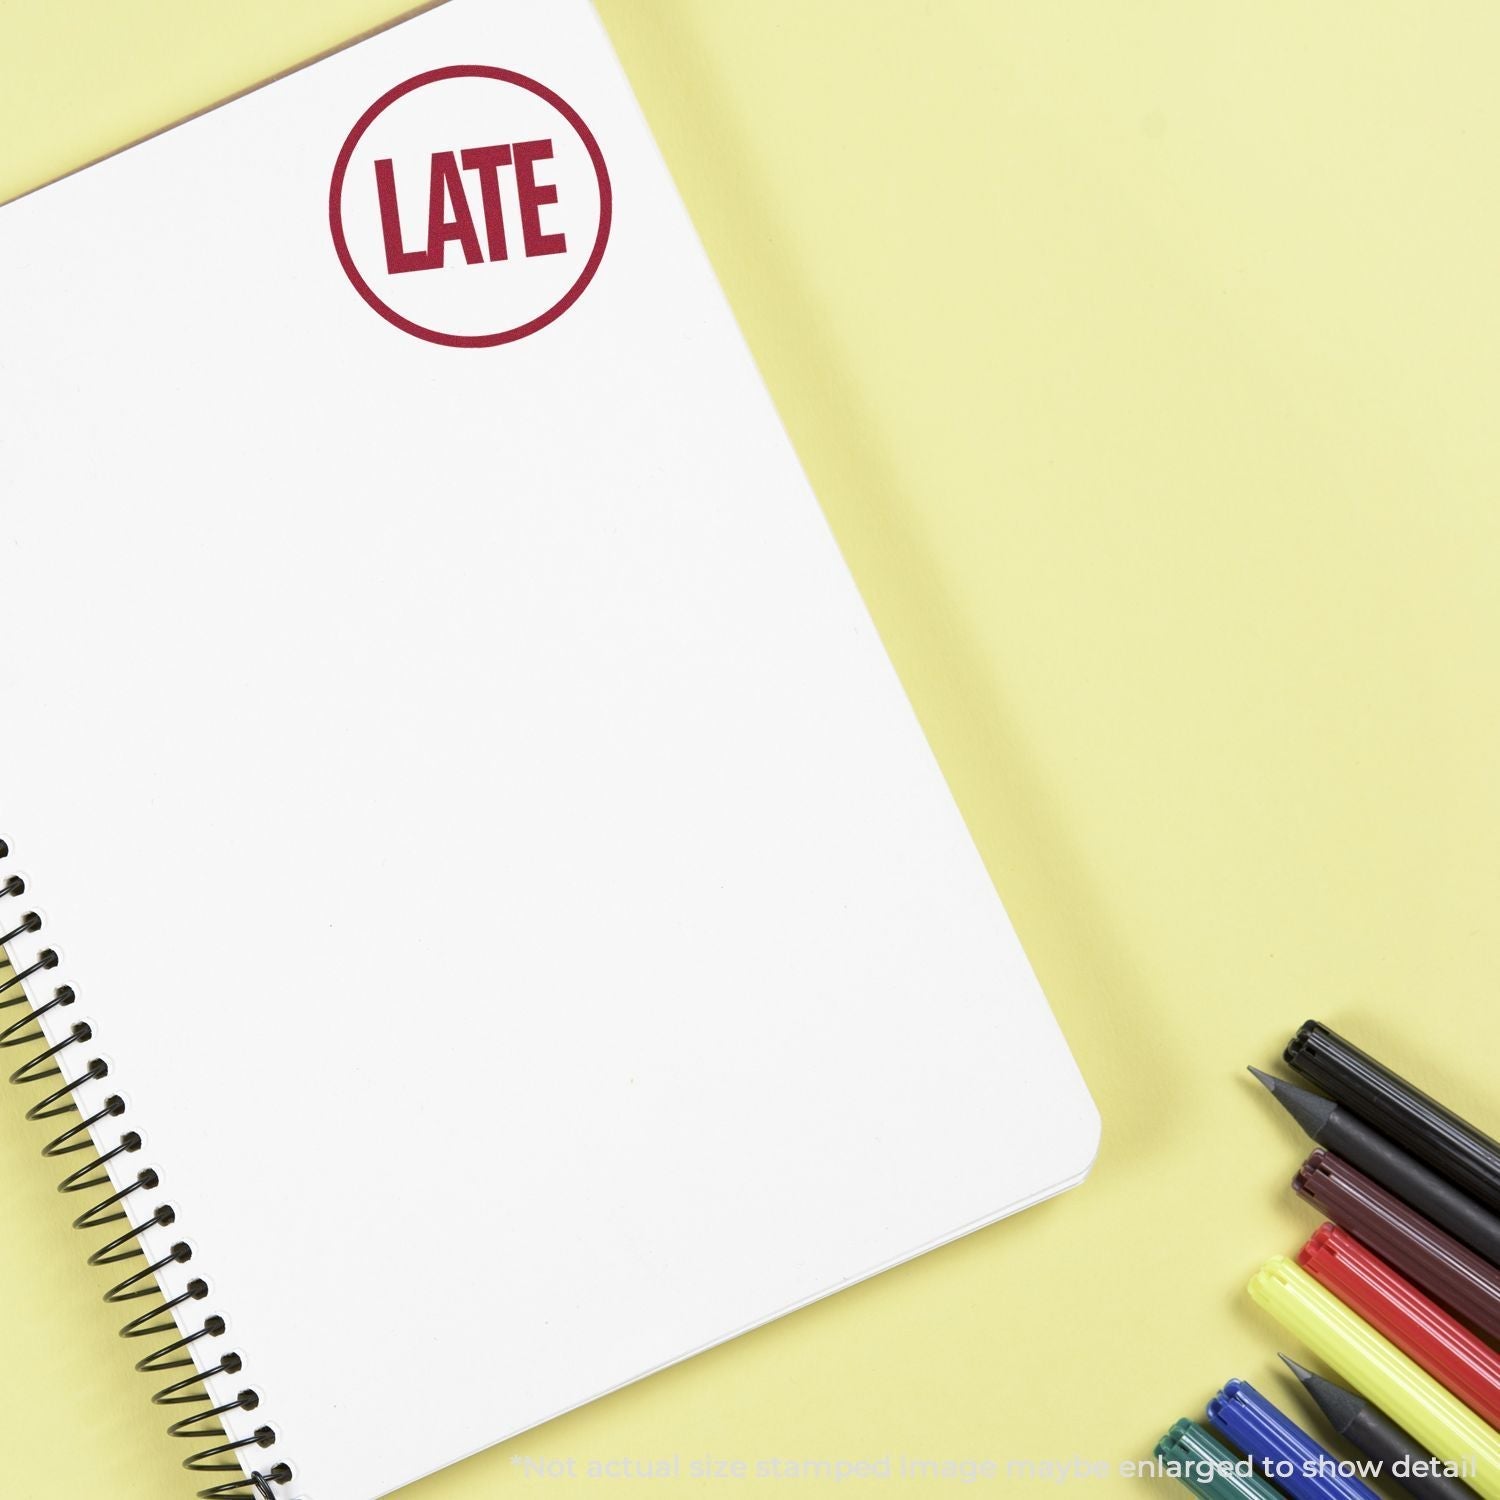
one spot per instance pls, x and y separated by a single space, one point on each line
1367 1428
1398 1171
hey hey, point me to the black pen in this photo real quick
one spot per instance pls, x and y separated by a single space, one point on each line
1466 1156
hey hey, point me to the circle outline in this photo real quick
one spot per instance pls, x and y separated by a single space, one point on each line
336 207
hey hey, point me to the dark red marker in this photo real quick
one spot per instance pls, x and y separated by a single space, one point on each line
1465 1283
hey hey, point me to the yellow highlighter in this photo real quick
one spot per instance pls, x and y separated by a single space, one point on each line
1405 1392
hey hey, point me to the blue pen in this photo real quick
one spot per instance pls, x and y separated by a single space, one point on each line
1281 1450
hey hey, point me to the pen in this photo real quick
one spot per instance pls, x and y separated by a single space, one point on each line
1405 1392
1344 1133
1413 1323
1205 1466
1463 1154
1363 1426
1450 1273
1281 1450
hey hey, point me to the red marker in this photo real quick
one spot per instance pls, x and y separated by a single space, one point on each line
1411 1321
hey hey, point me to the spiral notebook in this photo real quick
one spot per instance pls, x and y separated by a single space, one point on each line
471 857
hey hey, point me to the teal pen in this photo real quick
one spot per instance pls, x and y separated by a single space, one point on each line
1198 1460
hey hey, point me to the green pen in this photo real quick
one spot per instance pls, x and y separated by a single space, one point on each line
1202 1463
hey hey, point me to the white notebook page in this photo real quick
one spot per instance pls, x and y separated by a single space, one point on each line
467 792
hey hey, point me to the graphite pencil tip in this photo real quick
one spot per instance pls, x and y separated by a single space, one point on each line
1311 1111
1341 1407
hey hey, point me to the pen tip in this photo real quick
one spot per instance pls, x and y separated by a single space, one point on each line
1303 1375
1266 1078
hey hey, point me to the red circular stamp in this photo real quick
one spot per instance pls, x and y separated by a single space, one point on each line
470 206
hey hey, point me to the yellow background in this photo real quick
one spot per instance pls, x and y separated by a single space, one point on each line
1145 358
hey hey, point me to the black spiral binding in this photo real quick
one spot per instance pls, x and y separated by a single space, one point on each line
220 1458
